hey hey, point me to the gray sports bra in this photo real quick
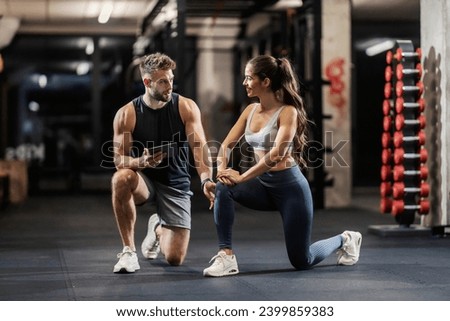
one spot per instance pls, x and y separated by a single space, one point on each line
265 138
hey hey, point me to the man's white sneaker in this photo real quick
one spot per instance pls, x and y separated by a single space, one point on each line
128 261
150 246
349 253
223 265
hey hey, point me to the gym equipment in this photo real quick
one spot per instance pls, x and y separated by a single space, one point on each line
400 172
403 171
401 105
400 138
402 55
399 189
400 121
401 88
401 71
386 173
400 155
387 123
387 107
398 207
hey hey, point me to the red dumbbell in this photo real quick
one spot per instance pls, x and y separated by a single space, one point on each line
385 205
399 207
387 123
386 173
389 56
399 189
399 173
386 156
400 105
401 122
386 140
400 71
385 189
399 54
400 155
387 106
400 88
388 73
399 138
388 90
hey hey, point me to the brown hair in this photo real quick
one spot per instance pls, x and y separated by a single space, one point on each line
156 61
284 83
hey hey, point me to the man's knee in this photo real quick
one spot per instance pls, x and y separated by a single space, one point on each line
123 179
174 244
175 259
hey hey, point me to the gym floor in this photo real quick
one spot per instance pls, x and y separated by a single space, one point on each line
63 248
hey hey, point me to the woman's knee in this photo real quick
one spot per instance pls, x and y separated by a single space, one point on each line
222 190
300 262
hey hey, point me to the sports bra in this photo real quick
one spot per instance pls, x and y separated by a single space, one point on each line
265 137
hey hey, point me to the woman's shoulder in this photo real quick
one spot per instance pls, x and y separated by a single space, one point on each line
289 110
251 107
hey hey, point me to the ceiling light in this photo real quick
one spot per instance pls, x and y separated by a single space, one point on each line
34 106
287 4
83 68
89 47
106 12
42 81
380 47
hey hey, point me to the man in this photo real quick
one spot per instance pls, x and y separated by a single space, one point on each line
144 174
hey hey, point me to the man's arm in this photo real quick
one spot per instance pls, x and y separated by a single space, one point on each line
190 114
195 134
123 126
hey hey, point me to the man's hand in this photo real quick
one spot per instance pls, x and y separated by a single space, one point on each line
148 160
209 189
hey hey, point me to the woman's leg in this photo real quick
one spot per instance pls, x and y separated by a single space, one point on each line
294 201
251 194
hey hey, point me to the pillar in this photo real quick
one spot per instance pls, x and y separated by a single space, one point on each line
336 64
435 45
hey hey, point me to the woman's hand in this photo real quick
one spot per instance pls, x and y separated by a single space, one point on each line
229 177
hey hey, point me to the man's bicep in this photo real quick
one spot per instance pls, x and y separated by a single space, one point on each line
122 137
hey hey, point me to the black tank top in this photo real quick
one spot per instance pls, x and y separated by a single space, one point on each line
162 126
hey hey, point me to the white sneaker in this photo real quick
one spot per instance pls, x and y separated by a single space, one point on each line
349 253
223 265
128 261
150 246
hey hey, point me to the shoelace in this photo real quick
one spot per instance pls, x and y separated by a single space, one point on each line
155 246
216 257
119 255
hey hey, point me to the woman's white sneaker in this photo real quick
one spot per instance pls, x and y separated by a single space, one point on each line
223 265
348 254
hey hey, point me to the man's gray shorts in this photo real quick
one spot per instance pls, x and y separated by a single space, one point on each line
172 205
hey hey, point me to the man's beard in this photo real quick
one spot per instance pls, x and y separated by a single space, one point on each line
160 97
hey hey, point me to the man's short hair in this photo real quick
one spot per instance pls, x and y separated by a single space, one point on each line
156 61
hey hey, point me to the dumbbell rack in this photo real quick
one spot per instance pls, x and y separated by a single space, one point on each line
403 188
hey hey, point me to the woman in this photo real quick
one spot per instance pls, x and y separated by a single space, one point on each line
276 129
